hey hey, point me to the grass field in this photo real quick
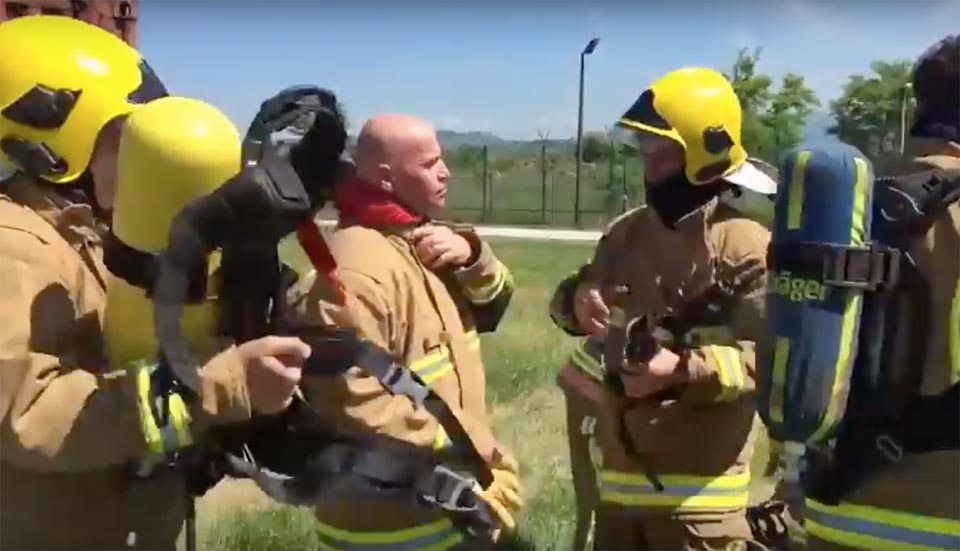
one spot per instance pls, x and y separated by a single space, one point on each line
516 195
522 360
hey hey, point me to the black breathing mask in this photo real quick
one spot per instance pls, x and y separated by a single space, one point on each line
269 198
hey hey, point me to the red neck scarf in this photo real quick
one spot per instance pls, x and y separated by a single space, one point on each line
363 204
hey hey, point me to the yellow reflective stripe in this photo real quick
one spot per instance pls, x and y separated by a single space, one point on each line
586 363
180 417
169 437
485 293
795 199
442 439
437 364
867 527
851 308
679 491
147 423
953 327
729 370
857 225
433 366
781 354
844 363
436 536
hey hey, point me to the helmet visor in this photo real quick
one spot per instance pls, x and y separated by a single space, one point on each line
643 142
151 87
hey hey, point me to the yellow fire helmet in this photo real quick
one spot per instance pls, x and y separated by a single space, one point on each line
61 81
173 150
697 108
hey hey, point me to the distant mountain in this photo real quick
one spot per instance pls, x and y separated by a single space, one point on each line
815 131
451 140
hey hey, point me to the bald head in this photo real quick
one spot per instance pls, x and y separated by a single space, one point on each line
401 154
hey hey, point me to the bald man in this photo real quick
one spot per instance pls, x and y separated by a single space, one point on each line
423 290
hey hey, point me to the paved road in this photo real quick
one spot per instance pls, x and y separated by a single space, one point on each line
540 234
537 234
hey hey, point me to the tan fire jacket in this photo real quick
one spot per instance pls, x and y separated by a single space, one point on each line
69 430
697 443
915 505
429 322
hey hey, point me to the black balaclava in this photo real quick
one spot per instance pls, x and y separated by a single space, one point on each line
675 197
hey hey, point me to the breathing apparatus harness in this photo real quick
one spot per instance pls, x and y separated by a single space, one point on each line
294 456
886 417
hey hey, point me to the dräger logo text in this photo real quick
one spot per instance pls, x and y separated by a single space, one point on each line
797 289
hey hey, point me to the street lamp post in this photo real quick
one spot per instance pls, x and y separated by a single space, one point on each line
903 115
592 45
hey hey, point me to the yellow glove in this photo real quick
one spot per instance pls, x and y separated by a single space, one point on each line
503 494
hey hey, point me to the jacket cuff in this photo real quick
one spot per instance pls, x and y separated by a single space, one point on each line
561 305
486 277
224 395
715 374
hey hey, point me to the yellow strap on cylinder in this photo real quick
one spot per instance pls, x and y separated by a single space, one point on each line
160 438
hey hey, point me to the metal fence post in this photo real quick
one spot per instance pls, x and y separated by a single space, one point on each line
543 183
483 212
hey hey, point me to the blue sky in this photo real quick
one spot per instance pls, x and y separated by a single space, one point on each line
510 67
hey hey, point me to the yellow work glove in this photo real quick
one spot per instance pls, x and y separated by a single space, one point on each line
503 494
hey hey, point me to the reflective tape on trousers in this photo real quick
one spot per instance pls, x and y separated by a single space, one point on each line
437 536
864 527
683 492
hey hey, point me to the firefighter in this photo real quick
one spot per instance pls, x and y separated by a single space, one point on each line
675 291
74 427
422 290
911 502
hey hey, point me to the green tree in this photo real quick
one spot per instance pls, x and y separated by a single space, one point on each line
596 147
466 157
753 91
773 121
868 113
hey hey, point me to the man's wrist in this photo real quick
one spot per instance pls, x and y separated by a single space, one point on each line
474 247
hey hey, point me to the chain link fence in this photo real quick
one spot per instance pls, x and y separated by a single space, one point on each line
543 192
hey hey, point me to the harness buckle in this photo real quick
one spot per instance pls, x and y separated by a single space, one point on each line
865 268
400 380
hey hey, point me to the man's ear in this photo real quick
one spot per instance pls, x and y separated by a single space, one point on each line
385 177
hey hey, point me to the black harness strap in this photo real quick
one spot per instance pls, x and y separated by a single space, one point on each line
339 468
339 349
139 268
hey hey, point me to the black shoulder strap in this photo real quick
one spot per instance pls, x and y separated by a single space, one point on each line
906 205
337 350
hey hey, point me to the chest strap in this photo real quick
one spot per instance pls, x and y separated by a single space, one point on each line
340 469
335 351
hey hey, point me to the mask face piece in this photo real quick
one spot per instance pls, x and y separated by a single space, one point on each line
675 197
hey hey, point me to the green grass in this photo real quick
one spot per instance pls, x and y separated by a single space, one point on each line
522 359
